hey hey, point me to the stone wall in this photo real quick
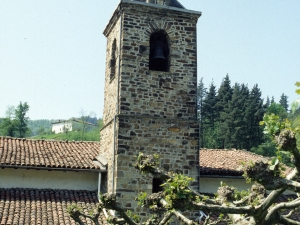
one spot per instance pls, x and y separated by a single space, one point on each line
156 111
161 94
111 83
175 141
110 98
107 150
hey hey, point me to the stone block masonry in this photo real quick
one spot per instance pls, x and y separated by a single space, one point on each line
149 111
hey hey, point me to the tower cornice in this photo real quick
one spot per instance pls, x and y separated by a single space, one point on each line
122 3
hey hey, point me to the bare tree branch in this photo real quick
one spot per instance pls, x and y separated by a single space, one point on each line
166 218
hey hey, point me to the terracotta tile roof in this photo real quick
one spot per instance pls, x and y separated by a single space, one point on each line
224 162
50 154
43 207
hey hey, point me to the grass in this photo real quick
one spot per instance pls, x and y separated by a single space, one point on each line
93 135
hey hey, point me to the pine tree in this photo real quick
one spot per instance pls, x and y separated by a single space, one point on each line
284 101
201 92
238 104
210 127
267 104
272 99
228 117
223 98
254 114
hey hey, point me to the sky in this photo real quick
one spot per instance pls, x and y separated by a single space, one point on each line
52 52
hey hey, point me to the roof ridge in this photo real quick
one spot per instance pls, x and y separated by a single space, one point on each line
48 189
50 140
233 149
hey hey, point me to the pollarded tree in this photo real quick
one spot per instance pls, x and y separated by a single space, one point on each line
256 207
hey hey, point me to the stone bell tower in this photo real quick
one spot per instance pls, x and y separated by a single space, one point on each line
150 93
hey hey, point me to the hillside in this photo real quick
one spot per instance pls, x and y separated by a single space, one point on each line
41 129
93 135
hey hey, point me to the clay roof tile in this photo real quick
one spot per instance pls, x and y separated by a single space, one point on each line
43 206
46 153
225 162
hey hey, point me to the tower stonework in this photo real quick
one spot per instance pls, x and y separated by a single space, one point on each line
146 109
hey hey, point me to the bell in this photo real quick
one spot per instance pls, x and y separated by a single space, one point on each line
159 60
158 53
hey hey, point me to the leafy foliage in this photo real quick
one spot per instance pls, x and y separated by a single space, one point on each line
16 122
175 191
277 109
297 90
274 124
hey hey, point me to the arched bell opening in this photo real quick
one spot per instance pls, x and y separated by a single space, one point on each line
159 52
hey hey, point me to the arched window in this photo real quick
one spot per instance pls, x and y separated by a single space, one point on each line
159 52
112 63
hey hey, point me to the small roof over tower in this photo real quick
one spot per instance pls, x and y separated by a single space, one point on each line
172 3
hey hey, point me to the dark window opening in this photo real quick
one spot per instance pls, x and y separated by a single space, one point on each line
156 185
159 52
112 62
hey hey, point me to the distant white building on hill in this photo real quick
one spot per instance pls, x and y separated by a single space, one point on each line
71 125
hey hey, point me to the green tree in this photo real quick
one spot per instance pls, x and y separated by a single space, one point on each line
267 147
267 104
298 85
238 137
253 115
284 101
210 116
201 92
21 119
222 108
8 125
228 115
277 109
